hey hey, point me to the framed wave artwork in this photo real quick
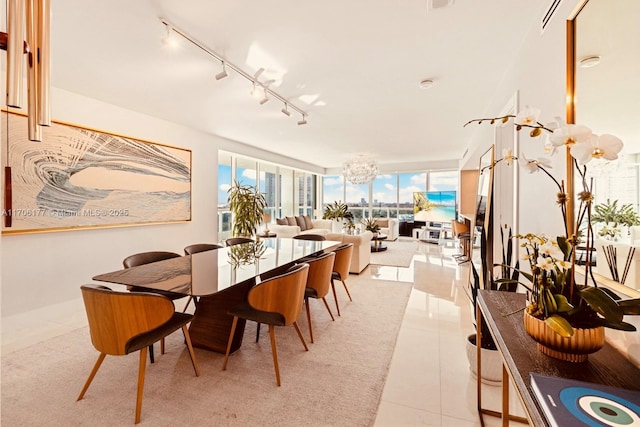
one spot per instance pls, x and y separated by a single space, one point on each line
78 178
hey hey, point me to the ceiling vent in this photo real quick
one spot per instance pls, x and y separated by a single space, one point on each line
438 4
548 14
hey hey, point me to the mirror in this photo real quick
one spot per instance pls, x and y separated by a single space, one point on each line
481 244
603 88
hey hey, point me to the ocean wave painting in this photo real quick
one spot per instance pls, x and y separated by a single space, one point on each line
78 177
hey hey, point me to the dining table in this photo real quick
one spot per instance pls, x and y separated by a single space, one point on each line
219 279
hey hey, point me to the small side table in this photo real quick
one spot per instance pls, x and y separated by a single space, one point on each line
265 236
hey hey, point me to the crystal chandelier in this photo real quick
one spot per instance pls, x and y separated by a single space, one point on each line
360 170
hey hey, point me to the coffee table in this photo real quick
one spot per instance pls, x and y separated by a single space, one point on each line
376 243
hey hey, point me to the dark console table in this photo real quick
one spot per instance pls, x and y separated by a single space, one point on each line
520 357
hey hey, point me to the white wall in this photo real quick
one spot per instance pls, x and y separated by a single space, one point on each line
45 269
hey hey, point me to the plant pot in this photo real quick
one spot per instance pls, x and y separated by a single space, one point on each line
572 349
491 362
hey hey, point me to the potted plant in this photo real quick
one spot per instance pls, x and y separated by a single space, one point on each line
566 315
371 225
338 212
613 217
508 281
247 207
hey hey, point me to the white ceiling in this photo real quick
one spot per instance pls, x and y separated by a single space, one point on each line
361 60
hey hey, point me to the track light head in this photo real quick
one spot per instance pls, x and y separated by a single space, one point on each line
221 75
265 99
303 121
285 111
169 39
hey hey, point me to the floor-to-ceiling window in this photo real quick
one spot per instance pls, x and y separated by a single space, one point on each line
288 192
388 195
384 197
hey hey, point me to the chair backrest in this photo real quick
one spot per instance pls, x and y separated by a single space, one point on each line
282 294
200 247
116 317
237 241
343 260
320 269
314 237
458 227
147 258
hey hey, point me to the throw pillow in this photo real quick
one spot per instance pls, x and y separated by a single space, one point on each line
301 223
308 222
382 222
282 221
291 221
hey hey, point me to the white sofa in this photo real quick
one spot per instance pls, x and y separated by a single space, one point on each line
389 226
361 248
294 227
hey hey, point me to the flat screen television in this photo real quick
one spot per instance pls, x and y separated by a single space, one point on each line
435 206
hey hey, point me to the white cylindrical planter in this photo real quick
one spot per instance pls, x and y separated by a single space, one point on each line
491 362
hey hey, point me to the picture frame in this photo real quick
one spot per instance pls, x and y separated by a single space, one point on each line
81 178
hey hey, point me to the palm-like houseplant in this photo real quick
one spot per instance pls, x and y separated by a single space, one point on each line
247 206
371 225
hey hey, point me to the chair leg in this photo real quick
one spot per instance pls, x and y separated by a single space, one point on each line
162 345
151 358
304 343
258 332
233 330
184 310
326 304
346 289
274 352
306 305
335 296
187 338
141 370
96 366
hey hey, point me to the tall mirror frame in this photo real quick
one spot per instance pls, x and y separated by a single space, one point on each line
574 31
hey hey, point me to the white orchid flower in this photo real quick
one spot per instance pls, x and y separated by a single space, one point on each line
545 263
570 134
552 250
549 148
598 147
533 165
528 116
507 156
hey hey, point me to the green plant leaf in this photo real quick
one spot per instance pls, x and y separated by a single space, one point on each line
560 325
562 303
630 306
621 326
602 304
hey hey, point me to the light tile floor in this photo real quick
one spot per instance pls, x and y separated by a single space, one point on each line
429 383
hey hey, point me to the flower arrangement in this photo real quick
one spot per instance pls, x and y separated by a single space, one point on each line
555 294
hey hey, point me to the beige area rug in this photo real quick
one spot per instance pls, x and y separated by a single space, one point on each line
339 382
398 254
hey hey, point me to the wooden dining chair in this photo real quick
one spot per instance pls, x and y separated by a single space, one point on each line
237 241
143 258
200 247
318 283
276 302
195 249
121 323
341 270
314 237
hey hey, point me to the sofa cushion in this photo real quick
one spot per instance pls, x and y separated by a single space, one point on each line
291 220
382 222
308 223
282 221
301 223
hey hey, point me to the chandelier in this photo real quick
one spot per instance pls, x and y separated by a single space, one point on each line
360 170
